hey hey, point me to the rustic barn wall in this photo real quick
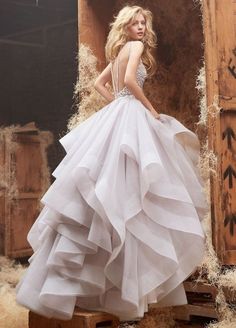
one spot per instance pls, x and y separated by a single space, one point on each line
37 80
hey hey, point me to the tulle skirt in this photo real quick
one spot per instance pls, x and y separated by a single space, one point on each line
121 224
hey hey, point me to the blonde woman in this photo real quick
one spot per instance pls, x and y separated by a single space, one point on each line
121 226
129 45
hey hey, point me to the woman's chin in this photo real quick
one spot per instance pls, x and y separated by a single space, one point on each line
138 38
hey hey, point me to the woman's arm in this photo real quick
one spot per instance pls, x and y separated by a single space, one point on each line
130 76
101 81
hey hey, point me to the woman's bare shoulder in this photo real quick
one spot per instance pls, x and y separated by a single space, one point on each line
134 46
134 43
137 44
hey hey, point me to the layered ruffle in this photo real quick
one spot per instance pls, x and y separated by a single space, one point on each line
121 226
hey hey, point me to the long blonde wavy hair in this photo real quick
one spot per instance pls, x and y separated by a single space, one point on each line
118 36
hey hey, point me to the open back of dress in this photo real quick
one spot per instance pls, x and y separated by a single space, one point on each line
118 70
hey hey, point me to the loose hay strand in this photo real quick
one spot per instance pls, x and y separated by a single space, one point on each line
88 100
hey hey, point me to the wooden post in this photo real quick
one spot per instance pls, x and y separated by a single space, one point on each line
81 319
219 18
94 18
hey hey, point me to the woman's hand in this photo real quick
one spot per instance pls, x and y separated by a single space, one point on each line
155 113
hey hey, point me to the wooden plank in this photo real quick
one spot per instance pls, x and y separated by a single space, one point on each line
28 137
204 292
226 36
20 253
228 224
81 318
201 301
94 18
28 195
22 215
91 31
220 55
23 167
25 128
199 287
26 164
209 23
186 312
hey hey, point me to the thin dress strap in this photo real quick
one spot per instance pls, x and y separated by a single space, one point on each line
115 81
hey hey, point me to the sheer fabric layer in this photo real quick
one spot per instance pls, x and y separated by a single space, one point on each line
121 226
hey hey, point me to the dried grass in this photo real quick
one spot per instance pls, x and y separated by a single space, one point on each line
87 99
211 268
208 162
154 318
46 139
10 272
8 182
228 278
201 87
210 264
227 316
226 323
11 314
158 318
127 325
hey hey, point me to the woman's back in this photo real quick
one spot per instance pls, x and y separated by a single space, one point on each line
118 71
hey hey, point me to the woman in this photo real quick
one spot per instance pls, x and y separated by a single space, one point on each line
121 226
132 24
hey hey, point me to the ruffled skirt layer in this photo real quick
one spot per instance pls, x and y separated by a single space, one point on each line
121 226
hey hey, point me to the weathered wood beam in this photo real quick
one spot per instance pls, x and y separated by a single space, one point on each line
220 56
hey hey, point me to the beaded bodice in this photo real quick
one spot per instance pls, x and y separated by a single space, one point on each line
141 75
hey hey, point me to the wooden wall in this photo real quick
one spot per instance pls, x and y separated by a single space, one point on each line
220 55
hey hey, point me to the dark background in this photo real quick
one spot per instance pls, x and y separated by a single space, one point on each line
38 65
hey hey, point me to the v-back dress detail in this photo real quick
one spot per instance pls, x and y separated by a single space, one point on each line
141 75
121 223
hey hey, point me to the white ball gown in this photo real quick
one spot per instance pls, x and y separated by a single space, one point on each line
121 224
